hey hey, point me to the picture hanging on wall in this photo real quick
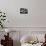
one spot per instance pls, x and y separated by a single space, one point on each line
23 11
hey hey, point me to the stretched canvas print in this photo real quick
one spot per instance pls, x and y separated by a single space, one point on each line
23 11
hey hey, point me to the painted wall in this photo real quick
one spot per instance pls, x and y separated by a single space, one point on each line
35 18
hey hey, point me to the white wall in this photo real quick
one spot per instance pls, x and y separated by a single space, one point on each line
35 18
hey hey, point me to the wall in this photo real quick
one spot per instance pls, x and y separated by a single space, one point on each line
34 21
35 18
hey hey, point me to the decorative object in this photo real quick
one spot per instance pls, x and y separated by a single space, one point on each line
44 44
8 40
7 30
2 19
23 11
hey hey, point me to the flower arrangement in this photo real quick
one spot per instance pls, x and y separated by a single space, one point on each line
2 19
